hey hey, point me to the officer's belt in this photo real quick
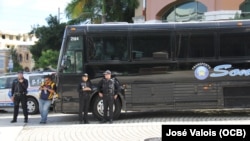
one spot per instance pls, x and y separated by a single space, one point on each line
18 94
108 94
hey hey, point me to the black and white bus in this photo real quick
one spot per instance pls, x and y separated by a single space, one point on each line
161 66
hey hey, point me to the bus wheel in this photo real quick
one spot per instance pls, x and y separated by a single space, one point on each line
32 106
98 108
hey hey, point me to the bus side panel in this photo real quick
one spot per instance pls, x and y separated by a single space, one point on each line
153 95
197 96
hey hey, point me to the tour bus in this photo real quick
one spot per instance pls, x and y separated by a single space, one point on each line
160 66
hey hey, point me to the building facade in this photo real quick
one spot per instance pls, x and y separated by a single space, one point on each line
21 43
187 10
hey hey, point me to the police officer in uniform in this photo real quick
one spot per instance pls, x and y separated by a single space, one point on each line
108 89
18 92
84 90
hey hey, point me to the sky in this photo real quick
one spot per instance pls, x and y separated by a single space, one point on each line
19 16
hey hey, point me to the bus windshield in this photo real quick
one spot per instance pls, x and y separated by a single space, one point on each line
72 59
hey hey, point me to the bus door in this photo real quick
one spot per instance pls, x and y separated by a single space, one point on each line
70 75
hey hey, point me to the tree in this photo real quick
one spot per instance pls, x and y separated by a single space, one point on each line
100 11
16 65
48 59
50 38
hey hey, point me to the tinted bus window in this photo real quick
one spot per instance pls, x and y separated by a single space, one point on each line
234 44
73 56
151 47
107 48
195 45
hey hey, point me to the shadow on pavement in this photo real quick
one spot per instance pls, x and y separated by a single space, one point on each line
3 111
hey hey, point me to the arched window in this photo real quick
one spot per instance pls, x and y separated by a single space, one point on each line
245 8
27 57
188 11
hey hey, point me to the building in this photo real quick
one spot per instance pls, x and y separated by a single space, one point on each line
189 10
21 44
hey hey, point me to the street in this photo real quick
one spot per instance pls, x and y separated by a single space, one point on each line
131 126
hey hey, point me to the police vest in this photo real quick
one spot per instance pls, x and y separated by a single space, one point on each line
108 86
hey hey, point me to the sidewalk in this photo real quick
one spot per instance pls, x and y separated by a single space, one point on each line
65 127
150 131
91 132
10 133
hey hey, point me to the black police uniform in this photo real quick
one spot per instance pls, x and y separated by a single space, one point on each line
84 97
19 91
109 88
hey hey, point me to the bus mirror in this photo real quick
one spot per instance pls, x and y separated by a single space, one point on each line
61 69
66 63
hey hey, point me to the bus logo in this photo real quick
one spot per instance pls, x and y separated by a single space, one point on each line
228 70
201 71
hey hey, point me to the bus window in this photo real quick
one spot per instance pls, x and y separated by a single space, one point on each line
79 62
194 46
72 61
234 45
69 62
150 47
107 48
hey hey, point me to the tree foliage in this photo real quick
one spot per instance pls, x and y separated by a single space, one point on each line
101 10
48 59
16 65
50 38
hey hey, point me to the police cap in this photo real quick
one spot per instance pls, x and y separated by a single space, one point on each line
85 74
20 72
107 72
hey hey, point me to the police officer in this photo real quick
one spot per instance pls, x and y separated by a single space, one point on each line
108 89
18 92
84 90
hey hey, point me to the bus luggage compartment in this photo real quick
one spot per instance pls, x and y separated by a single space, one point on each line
236 97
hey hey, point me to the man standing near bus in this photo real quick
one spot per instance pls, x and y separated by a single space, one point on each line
48 90
84 90
18 92
108 89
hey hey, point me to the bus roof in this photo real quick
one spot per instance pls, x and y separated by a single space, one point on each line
113 27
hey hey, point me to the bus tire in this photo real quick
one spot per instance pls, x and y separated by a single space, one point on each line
97 110
32 106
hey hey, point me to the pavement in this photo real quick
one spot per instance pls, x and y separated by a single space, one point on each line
61 127
73 131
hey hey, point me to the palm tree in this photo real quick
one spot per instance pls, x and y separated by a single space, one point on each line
74 10
96 10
